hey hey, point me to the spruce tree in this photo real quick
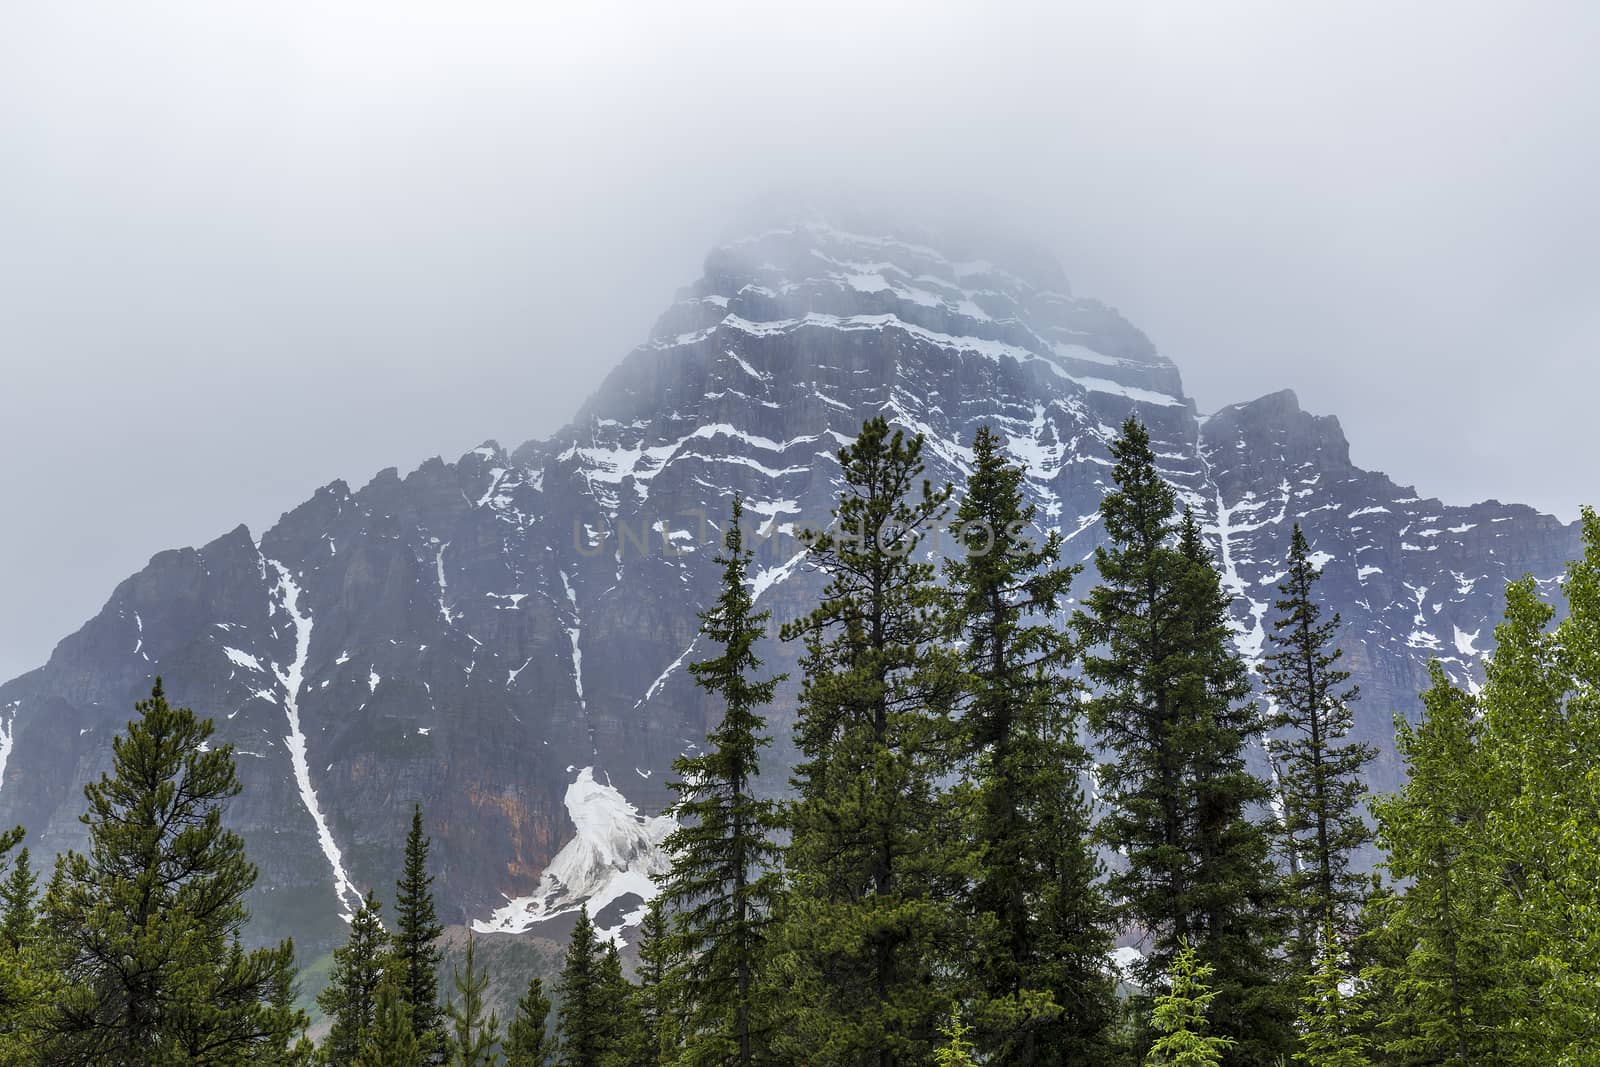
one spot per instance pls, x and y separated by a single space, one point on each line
657 996
1319 779
1046 996
1181 1016
723 880
1333 1022
391 1040
529 1042
957 1049
584 1027
350 999
1170 706
624 1043
146 926
416 950
18 899
871 921
474 1029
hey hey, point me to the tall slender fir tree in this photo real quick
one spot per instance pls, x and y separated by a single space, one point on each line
1046 996
390 1041
1319 778
529 1040
19 898
474 1028
584 1026
415 945
723 879
874 856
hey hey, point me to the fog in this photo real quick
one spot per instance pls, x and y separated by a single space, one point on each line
245 250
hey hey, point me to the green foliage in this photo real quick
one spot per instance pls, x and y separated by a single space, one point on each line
1170 706
415 944
1041 924
957 1050
1180 1016
1333 1023
1319 779
146 927
391 1041
584 1025
350 998
723 879
474 1029
529 1042
871 924
19 897
656 999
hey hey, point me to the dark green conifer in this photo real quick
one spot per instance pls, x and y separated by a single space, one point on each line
145 928
1319 779
1169 706
723 881
1040 961
529 1042
416 950
584 1027
871 931
390 1041
350 999
18 899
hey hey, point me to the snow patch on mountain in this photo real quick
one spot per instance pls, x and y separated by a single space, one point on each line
292 678
615 853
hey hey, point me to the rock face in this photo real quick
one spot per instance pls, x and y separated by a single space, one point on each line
504 638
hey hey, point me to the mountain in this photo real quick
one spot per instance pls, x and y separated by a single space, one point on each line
504 638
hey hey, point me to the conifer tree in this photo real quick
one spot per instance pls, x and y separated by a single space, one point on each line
416 950
656 997
1319 779
1180 1017
146 927
1170 707
1333 1023
1046 996
350 999
390 1041
722 882
529 1042
957 1050
584 1027
624 1043
474 1029
18 900
874 854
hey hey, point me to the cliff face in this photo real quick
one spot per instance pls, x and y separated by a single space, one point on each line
503 638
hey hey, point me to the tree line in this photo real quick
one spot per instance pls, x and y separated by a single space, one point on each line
997 782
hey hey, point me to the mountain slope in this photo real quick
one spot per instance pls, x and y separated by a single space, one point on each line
504 638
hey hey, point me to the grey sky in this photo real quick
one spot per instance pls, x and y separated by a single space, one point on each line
246 249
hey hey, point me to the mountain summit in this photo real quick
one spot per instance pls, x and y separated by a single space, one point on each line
504 638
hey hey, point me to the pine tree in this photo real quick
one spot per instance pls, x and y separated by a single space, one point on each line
1333 1023
474 1030
1319 779
874 855
1046 993
146 927
391 1040
528 1040
350 999
584 1027
722 881
18 899
1180 1016
1170 706
416 950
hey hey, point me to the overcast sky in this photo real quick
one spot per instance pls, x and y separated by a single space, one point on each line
247 249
